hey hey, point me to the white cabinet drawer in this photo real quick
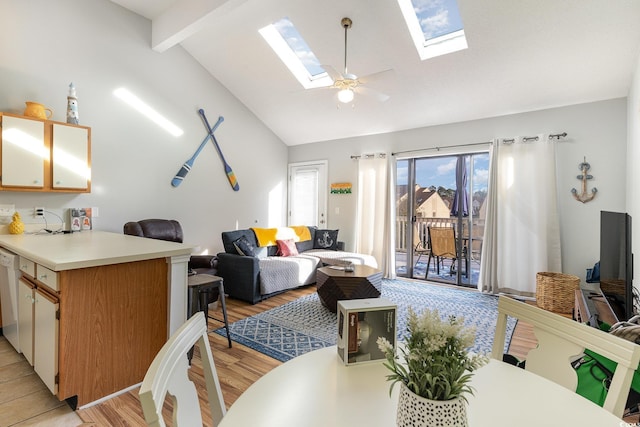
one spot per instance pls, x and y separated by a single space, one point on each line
48 277
28 267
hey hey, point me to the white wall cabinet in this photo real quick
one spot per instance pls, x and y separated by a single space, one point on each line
23 152
43 155
70 156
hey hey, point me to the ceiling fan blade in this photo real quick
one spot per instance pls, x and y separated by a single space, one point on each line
381 97
377 77
335 75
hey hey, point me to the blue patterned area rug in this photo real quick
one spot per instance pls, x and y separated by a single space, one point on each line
305 324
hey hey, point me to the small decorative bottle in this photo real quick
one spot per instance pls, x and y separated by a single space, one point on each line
72 105
16 226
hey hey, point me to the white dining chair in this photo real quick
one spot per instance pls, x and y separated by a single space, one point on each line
168 374
560 341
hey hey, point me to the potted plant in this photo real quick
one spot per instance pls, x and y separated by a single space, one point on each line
434 368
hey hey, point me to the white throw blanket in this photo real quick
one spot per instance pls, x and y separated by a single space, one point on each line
281 273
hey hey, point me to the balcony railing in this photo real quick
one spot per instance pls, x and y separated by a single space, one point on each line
422 224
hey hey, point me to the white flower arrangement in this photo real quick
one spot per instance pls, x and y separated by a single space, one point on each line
434 362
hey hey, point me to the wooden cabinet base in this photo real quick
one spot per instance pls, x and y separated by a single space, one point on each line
113 321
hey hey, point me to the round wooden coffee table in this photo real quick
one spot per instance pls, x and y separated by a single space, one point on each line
335 284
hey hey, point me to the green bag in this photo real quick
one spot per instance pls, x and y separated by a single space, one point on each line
594 376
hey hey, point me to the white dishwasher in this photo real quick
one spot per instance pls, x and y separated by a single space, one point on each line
9 275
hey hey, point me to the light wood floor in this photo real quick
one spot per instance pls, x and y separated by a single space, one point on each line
24 399
237 367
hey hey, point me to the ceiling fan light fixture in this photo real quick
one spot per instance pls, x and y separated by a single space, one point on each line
345 96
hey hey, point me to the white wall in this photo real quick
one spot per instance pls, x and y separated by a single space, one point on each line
633 166
595 130
100 47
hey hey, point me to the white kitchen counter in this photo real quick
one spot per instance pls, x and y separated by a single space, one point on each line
108 283
60 252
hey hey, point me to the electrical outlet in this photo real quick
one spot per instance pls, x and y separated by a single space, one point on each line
7 210
38 211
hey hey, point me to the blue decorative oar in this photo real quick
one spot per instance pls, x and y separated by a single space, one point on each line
230 175
186 167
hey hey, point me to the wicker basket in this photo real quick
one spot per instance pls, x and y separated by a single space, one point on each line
556 291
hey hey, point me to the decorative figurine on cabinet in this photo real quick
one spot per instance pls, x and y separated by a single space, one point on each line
72 105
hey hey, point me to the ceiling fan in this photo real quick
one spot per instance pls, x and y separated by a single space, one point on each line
348 84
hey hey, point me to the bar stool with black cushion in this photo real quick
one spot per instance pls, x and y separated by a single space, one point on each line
171 230
200 286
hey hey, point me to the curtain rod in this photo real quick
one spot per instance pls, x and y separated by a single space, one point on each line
552 136
369 156
438 148
555 136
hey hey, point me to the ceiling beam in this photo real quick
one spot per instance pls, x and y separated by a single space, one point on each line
185 18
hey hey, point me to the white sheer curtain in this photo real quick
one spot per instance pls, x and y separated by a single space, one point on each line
488 280
375 214
522 232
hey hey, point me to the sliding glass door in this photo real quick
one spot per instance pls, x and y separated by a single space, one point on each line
445 194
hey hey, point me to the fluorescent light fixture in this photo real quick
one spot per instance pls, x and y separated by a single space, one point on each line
435 26
147 111
293 51
345 96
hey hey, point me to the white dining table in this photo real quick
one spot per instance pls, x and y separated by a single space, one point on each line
317 390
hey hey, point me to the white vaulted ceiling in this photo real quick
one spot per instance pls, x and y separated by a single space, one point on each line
523 55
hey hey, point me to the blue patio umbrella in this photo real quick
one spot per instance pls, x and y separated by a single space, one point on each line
461 185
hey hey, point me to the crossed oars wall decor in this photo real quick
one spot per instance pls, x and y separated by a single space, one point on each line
186 167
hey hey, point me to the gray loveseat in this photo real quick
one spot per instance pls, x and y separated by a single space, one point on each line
261 273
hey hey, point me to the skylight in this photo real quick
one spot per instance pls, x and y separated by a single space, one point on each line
288 44
435 26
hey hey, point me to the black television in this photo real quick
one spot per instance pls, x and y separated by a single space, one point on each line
616 263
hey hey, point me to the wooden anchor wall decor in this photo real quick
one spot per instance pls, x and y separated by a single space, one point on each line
585 196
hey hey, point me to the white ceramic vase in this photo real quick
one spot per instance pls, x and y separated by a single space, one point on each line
416 411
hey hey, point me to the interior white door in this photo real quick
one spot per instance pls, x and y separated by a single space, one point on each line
308 194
